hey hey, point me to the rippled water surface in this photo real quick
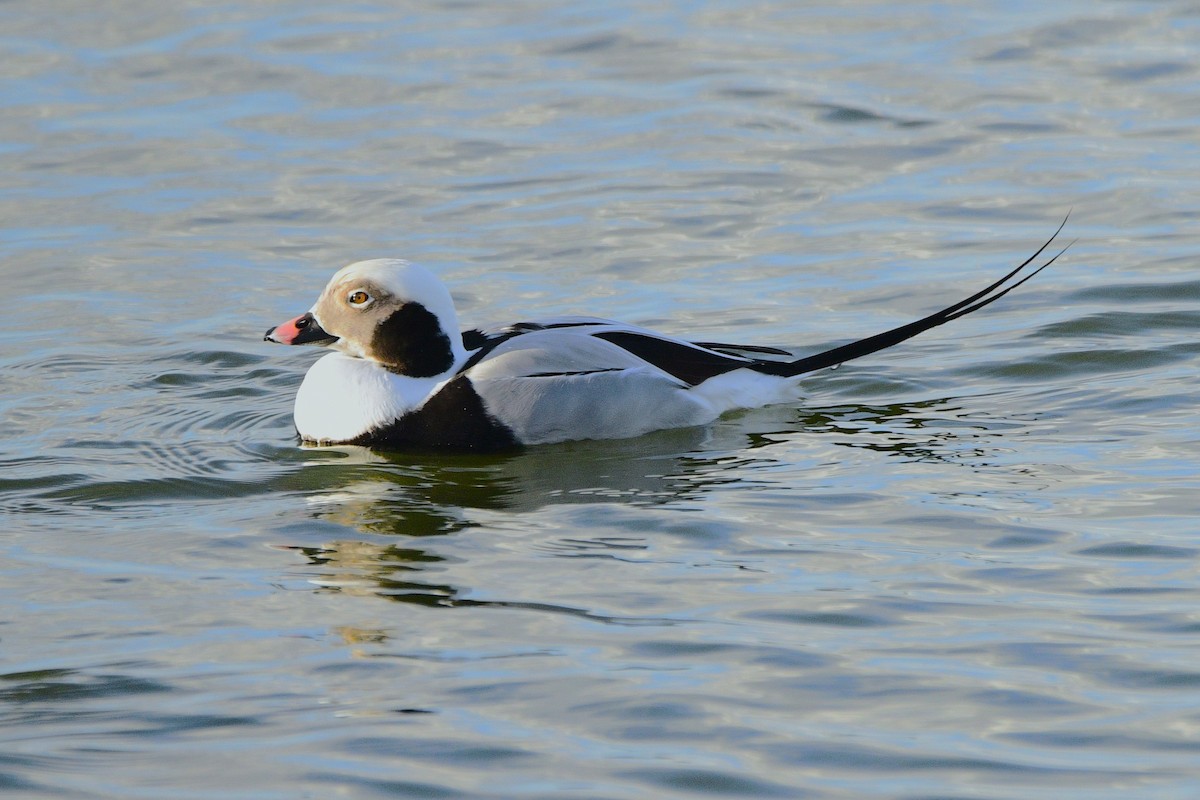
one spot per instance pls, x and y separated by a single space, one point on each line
964 568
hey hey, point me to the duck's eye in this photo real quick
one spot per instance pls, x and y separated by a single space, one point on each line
358 298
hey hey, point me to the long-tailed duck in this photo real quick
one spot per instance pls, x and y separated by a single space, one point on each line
402 375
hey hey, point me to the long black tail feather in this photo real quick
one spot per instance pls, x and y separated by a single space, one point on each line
880 341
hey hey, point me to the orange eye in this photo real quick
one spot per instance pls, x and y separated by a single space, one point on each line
358 298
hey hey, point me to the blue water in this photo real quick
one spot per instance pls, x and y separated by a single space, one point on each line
963 568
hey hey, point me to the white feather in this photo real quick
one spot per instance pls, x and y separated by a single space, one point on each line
342 398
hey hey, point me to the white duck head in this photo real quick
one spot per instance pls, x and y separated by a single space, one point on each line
385 310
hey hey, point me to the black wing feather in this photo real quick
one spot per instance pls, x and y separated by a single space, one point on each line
738 349
690 364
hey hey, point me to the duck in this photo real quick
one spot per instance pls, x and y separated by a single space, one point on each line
401 374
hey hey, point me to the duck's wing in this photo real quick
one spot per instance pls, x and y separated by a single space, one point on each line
561 339
572 382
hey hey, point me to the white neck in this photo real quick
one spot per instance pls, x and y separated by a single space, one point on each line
343 397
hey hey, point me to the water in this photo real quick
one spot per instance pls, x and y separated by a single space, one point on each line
965 568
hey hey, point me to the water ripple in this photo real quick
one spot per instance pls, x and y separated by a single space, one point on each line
963 566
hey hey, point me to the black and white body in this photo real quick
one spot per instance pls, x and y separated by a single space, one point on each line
402 375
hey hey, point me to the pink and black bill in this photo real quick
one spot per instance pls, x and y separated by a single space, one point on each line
304 329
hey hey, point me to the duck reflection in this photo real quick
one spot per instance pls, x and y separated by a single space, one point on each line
933 430
410 497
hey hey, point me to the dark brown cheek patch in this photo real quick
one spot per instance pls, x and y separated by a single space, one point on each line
412 342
